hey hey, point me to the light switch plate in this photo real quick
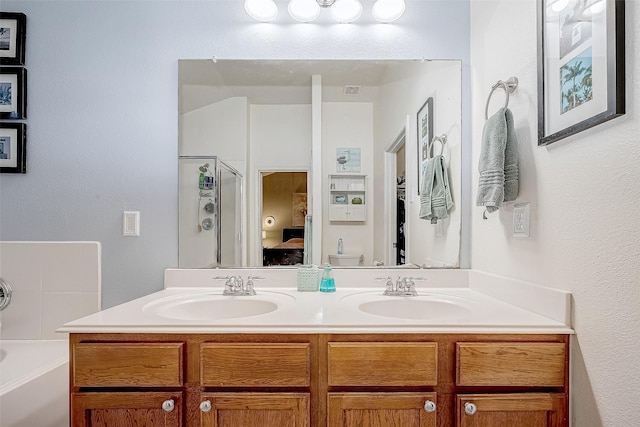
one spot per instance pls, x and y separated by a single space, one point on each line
131 223
521 218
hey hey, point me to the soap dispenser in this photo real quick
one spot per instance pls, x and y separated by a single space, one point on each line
327 284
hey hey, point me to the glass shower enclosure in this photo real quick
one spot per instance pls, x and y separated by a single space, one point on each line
210 213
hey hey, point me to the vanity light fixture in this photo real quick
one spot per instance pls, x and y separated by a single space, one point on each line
342 11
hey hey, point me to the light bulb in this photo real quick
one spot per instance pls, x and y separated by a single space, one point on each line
388 10
304 10
346 11
261 10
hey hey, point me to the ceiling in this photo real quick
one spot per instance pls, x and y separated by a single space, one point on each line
203 82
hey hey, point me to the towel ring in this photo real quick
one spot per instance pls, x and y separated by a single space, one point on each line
442 139
509 86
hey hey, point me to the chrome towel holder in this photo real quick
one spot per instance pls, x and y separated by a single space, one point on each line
509 86
442 139
5 294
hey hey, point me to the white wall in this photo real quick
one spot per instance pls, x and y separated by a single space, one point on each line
274 147
219 129
584 196
347 125
103 110
440 80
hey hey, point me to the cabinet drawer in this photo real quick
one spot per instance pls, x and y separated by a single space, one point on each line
256 365
510 364
127 364
382 364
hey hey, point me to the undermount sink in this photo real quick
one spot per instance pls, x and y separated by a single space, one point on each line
215 307
426 307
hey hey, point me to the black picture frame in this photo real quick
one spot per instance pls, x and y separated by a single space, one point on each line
13 93
424 120
13 148
13 33
581 66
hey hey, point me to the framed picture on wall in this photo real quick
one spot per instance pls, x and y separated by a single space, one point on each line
580 66
340 199
13 32
425 135
13 93
348 159
13 153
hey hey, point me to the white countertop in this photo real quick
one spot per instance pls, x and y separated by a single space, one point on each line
472 311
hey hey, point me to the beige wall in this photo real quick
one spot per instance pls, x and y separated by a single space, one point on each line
585 229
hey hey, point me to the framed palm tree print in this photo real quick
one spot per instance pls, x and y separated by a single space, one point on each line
580 65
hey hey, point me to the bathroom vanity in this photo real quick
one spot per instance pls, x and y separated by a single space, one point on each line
319 360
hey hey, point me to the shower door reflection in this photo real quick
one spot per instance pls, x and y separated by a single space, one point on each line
210 213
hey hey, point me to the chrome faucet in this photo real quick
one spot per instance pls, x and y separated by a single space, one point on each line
235 286
403 287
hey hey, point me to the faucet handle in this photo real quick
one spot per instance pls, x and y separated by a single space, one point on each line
401 283
388 284
229 285
249 287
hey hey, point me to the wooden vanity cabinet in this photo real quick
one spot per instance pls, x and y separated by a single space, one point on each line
512 409
371 365
372 409
221 380
318 380
255 409
109 409
446 380
524 365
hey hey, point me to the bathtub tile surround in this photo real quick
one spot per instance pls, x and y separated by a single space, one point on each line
53 283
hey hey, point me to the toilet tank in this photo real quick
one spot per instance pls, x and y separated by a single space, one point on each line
345 259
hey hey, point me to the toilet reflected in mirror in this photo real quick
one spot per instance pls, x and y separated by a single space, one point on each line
345 260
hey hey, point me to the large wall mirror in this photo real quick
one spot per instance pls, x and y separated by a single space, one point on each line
294 161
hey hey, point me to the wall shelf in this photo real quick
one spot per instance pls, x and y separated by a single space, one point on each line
348 197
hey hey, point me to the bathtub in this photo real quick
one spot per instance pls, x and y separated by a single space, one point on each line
34 383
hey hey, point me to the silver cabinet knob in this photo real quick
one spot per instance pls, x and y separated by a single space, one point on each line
429 406
168 405
205 406
470 408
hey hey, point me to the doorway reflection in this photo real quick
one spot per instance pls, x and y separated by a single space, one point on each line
284 207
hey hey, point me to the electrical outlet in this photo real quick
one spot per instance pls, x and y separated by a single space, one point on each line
521 217
131 224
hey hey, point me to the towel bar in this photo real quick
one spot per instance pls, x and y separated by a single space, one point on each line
509 86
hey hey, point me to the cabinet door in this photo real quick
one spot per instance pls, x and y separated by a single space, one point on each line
255 409
381 410
513 410
357 212
126 409
338 212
